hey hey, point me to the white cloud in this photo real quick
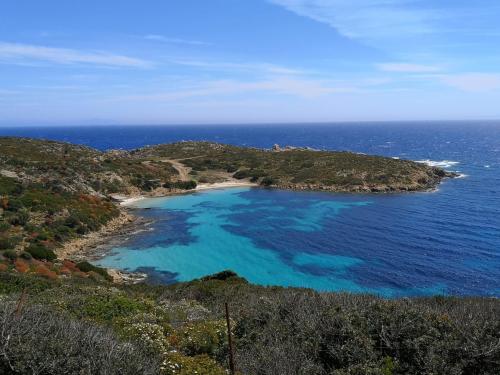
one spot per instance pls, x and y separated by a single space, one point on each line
366 18
247 67
303 88
165 39
22 53
407 68
472 82
399 19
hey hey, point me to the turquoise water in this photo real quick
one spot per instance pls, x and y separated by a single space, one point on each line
213 227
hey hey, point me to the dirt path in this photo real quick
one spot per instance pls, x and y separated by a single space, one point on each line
180 168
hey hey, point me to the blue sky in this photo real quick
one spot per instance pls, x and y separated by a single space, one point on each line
229 61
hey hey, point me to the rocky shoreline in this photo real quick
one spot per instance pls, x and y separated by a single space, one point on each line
96 244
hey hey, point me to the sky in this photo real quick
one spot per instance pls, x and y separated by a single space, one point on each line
247 61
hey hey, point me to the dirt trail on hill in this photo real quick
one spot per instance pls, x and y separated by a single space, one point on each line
180 168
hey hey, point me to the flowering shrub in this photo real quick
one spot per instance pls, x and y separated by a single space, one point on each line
178 364
184 310
150 335
204 337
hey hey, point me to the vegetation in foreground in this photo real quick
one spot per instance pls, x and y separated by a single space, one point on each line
93 327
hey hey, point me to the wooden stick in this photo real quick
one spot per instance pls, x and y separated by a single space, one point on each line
230 341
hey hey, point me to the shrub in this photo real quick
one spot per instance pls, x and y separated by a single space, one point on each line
10 254
150 335
267 181
178 364
244 173
88 267
38 251
26 255
21 266
203 337
183 185
4 226
44 341
108 307
6 243
223 275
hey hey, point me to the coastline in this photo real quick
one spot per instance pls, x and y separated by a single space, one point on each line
93 245
79 247
129 201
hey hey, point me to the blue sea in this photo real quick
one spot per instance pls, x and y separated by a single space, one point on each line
442 242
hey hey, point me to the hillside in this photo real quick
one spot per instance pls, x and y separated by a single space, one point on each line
303 169
84 326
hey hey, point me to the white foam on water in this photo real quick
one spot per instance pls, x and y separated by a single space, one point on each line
437 163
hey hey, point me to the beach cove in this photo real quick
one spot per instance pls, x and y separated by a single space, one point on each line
288 238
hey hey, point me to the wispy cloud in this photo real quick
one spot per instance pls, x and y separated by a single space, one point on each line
247 67
303 88
26 53
472 82
165 39
365 18
407 68
397 19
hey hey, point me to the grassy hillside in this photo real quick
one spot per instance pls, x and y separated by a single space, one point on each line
85 326
302 168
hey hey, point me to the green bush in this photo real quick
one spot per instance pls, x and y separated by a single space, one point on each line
109 307
88 267
204 337
183 185
20 218
6 243
178 364
4 226
40 252
244 173
223 275
10 254
267 181
26 255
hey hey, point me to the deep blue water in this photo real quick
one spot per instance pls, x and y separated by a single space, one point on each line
445 242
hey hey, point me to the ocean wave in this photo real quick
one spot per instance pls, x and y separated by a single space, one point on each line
436 163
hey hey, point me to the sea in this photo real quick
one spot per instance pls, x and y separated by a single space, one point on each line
445 242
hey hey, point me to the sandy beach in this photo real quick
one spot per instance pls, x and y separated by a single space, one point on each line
225 184
128 201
